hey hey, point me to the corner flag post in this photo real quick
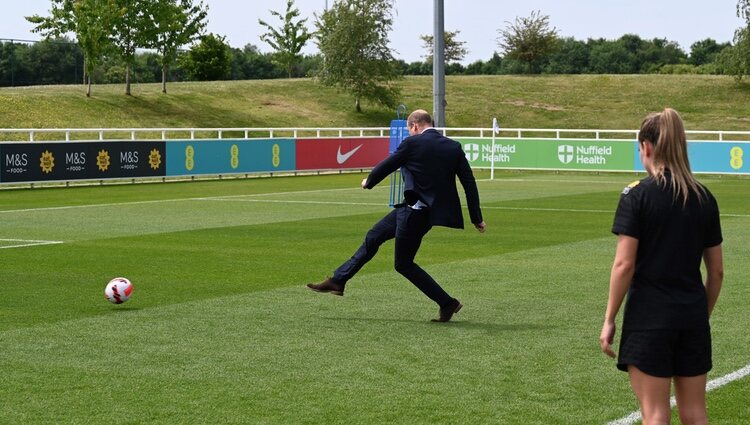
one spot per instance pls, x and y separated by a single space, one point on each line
495 130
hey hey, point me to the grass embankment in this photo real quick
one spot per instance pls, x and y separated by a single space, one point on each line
572 101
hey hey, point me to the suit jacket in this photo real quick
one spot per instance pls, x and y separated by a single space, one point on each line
430 163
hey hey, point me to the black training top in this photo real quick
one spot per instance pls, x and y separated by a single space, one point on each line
667 290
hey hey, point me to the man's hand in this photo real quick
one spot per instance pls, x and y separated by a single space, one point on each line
364 183
481 227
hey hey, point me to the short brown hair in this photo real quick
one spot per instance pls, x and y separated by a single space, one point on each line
421 117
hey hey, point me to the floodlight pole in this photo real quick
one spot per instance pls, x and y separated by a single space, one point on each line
438 66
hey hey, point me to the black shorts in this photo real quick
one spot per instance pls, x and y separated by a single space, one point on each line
666 353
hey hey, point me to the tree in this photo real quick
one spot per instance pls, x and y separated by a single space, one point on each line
743 10
353 40
289 39
54 61
609 57
209 60
529 40
705 51
250 64
90 20
129 32
571 58
173 24
735 60
454 50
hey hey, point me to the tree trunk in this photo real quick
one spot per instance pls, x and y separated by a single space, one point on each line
164 79
127 80
356 103
88 86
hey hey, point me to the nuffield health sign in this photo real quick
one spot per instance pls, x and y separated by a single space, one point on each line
556 154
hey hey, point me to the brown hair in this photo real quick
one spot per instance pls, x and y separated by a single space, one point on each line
666 132
421 117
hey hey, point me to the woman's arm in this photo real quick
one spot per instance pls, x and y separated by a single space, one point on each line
714 261
619 283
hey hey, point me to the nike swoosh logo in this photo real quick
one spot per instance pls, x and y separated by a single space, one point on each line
342 158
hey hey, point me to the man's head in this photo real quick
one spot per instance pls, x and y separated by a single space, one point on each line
418 121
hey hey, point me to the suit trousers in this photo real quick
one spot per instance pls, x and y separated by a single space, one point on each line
408 226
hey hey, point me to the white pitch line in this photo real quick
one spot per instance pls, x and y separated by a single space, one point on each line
549 209
158 201
29 243
520 180
710 386
239 198
281 201
296 192
255 195
582 210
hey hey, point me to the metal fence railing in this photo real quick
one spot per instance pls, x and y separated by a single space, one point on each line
74 134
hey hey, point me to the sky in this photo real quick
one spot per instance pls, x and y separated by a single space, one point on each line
681 21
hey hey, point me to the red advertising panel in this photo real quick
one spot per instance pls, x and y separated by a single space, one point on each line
348 152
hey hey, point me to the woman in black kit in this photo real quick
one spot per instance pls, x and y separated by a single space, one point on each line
666 224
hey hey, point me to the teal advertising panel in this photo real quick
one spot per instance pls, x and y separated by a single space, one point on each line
713 157
550 154
226 156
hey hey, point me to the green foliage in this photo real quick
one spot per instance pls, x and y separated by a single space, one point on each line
102 27
735 60
50 61
743 10
171 25
130 31
705 51
572 57
529 40
90 20
454 50
250 64
679 69
209 60
288 40
353 40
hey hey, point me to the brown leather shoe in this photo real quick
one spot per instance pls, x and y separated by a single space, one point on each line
327 285
448 311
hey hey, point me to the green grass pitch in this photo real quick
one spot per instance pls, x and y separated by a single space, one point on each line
220 328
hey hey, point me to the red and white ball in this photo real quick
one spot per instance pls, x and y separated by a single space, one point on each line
118 290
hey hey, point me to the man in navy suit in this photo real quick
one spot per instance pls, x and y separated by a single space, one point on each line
430 163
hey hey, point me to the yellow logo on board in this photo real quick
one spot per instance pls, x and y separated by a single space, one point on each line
102 160
154 159
47 161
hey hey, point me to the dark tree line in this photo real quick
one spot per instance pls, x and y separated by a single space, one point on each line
46 62
629 54
60 61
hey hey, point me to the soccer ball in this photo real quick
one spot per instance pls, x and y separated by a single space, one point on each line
118 290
